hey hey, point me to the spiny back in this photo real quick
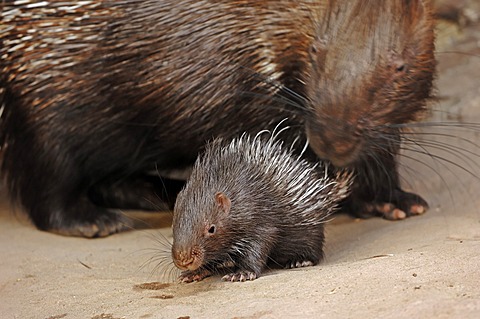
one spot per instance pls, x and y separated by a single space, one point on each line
263 167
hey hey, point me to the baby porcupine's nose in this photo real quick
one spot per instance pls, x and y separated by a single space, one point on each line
184 260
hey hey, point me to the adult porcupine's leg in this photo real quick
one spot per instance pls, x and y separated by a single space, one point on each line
144 192
377 192
46 172
55 198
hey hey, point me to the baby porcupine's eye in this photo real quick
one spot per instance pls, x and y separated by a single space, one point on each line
211 230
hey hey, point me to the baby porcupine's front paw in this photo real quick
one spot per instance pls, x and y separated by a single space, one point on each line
240 276
196 275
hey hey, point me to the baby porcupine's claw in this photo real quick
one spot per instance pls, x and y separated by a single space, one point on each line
240 276
299 264
191 276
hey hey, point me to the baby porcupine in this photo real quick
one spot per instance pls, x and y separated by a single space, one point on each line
249 203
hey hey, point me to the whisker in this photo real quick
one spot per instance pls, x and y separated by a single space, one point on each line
278 98
449 149
277 85
444 181
446 161
380 148
459 53
159 257
424 151
459 138
455 151
462 125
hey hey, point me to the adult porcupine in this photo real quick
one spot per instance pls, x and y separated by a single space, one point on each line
96 93
251 202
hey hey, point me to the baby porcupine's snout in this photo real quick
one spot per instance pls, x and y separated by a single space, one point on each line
187 259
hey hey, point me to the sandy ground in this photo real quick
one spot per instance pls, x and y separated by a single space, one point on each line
423 267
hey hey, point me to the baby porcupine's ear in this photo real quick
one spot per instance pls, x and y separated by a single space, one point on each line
223 202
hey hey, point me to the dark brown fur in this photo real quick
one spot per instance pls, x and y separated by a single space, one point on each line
96 95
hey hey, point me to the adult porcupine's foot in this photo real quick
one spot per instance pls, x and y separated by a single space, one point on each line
399 205
80 218
151 193
196 275
240 276
105 223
